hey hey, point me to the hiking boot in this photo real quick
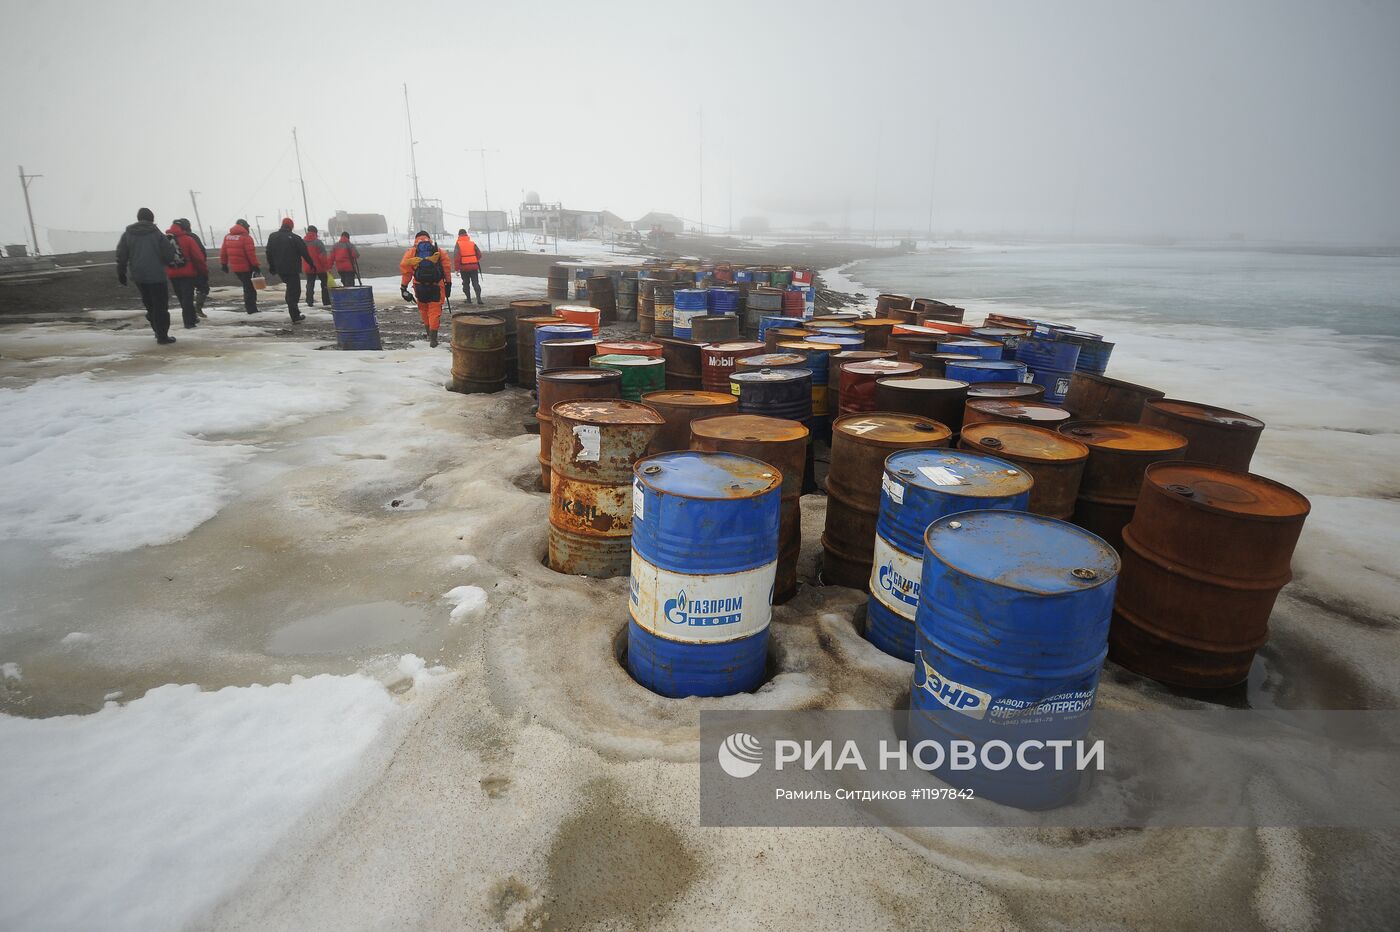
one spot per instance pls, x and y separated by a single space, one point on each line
432 338
191 326
299 318
199 312
165 341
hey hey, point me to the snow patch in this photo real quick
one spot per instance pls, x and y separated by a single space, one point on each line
76 638
465 600
11 671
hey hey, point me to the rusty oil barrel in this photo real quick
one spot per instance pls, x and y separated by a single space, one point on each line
1054 461
768 361
565 354
905 315
714 328
572 384
718 360
843 358
682 363
775 335
558 282
781 443
679 409
603 297
1021 391
1014 410
892 302
857 380
859 445
935 364
525 346
906 345
508 314
628 348
1119 454
1214 435
1204 559
478 354
940 400
594 447
1099 398
876 331
663 304
646 305
931 309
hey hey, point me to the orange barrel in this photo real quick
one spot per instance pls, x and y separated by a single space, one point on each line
940 400
718 360
778 442
876 330
628 348
841 359
859 445
1214 435
1119 454
678 409
775 335
714 328
478 354
564 354
1099 398
1054 461
889 302
682 363
574 384
1204 558
952 329
525 346
589 317
595 445
857 388
1014 410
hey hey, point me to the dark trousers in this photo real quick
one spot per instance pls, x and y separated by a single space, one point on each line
470 279
311 280
157 300
293 283
347 279
250 294
184 293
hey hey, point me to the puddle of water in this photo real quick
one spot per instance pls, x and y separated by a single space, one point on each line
372 624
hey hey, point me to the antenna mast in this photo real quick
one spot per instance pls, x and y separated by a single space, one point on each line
306 211
412 157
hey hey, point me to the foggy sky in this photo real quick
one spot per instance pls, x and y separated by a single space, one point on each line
1118 117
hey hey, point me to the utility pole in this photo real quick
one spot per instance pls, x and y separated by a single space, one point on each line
412 157
257 221
306 211
199 224
24 183
731 198
700 151
485 194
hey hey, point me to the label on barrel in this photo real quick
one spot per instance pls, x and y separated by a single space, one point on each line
893 489
941 475
701 609
862 427
589 443
957 696
638 501
894 578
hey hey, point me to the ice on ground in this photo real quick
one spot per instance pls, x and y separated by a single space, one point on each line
76 639
461 561
465 601
142 816
11 671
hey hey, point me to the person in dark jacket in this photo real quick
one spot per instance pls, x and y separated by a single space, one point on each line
240 254
346 259
285 253
201 281
318 269
146 253
183 277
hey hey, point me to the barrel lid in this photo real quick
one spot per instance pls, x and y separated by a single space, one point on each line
920 330
995 332
922 383
685 399
837 330
873 322
1004 390
882 367
575 308
477 320
956 343
1024 442
881 427
958 472
564 328
630 345
846 357
771 360
607 411
1117 383
948 357
1020 410
836 319
1120 435
995 365
693 474
733 346
617 359
1022 551
578 375
1205 414
785 374
569 342
797 333
539 321
749 427
1220 489
811 345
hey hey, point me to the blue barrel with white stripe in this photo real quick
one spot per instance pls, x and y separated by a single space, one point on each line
723 300
982 349
704 561
1009 638
985 370
917 488
689 304
557 332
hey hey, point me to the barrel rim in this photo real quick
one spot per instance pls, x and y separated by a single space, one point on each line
795 429
1143 430
1000 514
1082 451
1162 487
775 482
713 399
1156 404
953 490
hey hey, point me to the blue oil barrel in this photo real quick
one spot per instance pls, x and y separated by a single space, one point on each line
768 323
985 370
704 561
557 332
1009 638
356 327
1057 355
784 393
743 275
1093 357
581 277
818 355
691 299
723 300
917 488
1009 338
762 277
982 349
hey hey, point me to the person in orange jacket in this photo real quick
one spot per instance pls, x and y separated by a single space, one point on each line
430 270
468 261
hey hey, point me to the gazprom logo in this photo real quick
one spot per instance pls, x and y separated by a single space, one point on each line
703 613
901 587
956 696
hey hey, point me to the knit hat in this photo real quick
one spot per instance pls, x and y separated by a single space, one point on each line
287 223
461 232
312 229
145 214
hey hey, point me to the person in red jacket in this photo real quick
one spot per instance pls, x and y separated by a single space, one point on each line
346 259
240 254
318 269
468 259
430 271
184 277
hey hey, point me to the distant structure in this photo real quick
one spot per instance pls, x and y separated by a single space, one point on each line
357 224
557 220
656 222
487 221
753 225
426 214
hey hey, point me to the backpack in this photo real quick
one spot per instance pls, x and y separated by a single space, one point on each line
179 261
428 271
